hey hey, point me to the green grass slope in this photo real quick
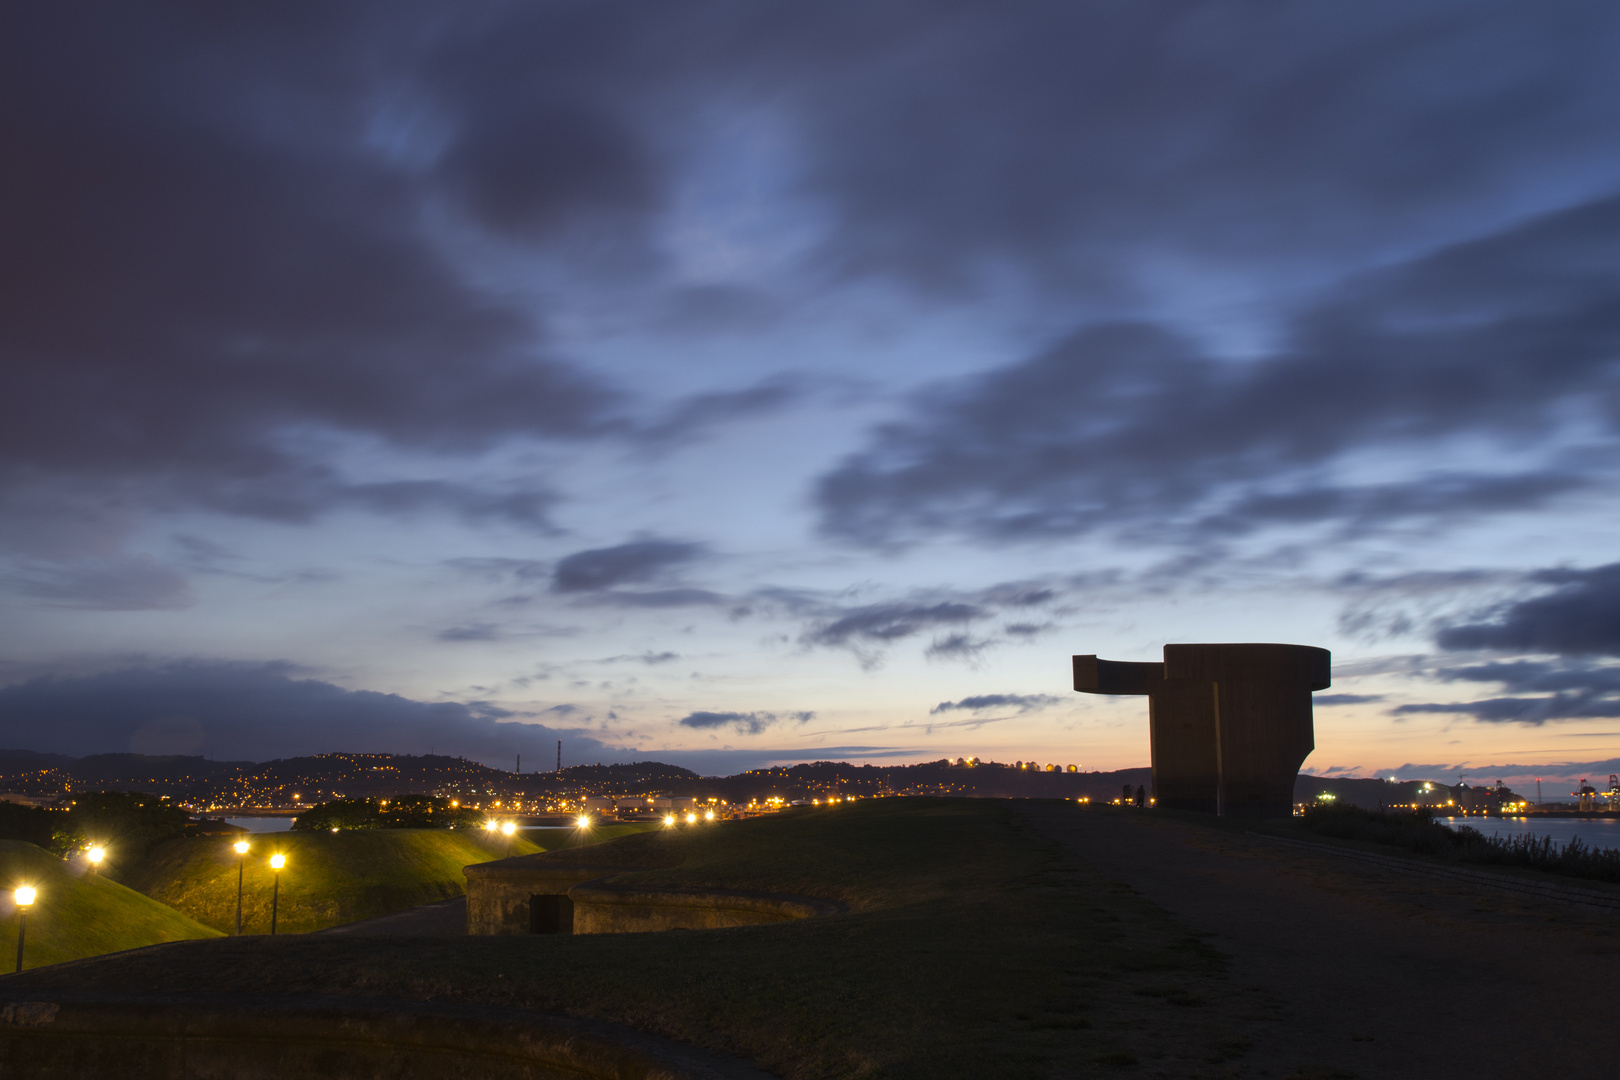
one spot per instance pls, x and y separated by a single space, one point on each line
973 947
330 878
79 914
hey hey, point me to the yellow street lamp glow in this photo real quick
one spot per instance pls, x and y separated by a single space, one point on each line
708 815
95 855
241 847
669 819
691 819
584 821
508 829
24 895
277 861
491 826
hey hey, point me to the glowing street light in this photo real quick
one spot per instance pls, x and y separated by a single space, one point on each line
708 815
24 897
241 857
669 819
508 829
691 819
277 861
584 821
491 825
95 855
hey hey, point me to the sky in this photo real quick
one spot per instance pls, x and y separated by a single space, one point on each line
733 383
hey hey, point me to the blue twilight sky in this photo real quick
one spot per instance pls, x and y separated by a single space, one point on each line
735 382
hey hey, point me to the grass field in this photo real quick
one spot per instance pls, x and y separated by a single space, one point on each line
973 947
329 879
78 914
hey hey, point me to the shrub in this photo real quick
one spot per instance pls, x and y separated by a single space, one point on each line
1416 830
405 812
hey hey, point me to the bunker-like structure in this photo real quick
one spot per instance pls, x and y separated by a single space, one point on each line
539 894
1229 725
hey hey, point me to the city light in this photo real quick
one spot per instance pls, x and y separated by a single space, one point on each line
96 854
669 819
491 825
24 895
277 861
691 819
241 847
708 815
508 829
584 821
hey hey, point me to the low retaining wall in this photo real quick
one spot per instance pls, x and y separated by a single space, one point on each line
54 1037
527 895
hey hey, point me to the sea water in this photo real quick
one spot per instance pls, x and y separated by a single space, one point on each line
1593 832
262 824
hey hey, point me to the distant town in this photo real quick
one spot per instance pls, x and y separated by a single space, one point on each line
287 786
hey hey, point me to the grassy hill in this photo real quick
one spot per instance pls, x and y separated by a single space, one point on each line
330 878
80 914
973 947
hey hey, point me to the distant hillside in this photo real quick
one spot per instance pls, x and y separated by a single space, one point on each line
79 914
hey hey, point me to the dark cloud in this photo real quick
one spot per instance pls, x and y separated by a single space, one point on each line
259 711
703 412
954 144
1564 690
212 278
751 723
957 646
470 632
1345 699
650 658
1022 702
633 563
883 623
1581 616
657 598
1130 426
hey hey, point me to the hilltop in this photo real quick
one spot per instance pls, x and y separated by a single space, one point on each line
79 914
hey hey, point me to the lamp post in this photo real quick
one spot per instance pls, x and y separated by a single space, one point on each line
277 861
95 855
241 858
25 898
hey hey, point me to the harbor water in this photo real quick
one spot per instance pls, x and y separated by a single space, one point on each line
1593 832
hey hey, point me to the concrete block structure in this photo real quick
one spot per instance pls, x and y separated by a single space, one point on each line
1229 724
534 894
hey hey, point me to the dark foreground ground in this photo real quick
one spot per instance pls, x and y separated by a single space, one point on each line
999 939
1370 972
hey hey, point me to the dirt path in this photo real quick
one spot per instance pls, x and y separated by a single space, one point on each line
1372 972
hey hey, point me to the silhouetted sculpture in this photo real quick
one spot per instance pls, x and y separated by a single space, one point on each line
1229 725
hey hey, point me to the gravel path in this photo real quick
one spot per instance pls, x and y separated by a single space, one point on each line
1371 972
447 918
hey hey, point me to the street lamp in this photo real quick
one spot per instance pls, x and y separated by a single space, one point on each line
277 861
95 855
508 829
25 898
241 857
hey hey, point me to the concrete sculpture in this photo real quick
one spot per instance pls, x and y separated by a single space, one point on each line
1229 725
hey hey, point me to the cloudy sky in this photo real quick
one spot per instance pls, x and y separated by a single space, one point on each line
736 382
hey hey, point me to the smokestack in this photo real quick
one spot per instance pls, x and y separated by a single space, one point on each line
559 755
519 768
